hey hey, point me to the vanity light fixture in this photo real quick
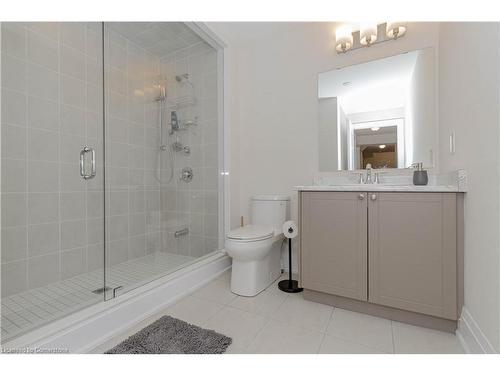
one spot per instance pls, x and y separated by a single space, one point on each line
395 30
375 129
368 34
381 146
343 39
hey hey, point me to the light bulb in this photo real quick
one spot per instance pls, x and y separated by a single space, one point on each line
368 34
343 39
394 30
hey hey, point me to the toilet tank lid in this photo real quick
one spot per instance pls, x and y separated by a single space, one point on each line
271 197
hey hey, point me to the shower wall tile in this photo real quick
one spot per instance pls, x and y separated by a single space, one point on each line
73 35
47 29
13 142
43 176
42 82
73 234
43 207
72 120
72 206
73 263
116 252
153 242
14 277
14 244
95 204
13 107
137 224
95 231
43 113
13 209
73 63
13 73
137 246
43 270
117 228
43 239
14 176
95 257
14 39
42 51
73 91
43 145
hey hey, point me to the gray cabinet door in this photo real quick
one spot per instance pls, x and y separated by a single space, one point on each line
412 252
333 243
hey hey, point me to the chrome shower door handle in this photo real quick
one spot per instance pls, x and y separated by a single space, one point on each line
92 163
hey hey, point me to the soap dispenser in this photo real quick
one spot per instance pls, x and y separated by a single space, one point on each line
420 177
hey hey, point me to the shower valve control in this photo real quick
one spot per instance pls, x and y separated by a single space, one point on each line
187 174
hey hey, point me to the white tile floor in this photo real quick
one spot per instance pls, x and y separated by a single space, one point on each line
33 308
275 322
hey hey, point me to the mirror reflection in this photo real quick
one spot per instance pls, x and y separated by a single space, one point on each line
381 113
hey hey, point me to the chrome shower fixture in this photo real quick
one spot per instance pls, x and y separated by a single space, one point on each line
182 77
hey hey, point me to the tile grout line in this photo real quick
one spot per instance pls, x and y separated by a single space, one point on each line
326 329
393 339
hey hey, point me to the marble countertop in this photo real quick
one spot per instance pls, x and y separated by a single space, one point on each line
382 187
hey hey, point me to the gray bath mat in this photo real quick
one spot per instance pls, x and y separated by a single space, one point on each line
168 335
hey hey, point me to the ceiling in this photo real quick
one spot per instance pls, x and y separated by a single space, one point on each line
240 33
382 130
159 38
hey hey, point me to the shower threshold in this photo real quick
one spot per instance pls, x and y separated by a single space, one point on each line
33 308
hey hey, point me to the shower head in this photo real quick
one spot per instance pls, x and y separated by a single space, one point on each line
181 77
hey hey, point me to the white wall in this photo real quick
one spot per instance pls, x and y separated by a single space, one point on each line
274 105
469 106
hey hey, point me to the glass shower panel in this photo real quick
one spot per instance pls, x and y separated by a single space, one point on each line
161 144
52 191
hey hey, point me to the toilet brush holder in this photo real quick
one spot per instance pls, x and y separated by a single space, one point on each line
290 285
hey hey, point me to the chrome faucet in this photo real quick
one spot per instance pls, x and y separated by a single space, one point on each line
368 179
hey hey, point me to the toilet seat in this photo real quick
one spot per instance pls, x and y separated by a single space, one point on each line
251 233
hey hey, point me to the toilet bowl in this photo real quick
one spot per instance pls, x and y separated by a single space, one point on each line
256 248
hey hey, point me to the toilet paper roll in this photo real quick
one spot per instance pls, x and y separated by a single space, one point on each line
290 229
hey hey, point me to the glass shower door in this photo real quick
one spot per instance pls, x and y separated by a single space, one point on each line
52 251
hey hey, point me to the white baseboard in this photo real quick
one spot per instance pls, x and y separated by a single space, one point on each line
470 335
87 329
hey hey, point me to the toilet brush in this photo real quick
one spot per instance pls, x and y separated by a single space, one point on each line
290 286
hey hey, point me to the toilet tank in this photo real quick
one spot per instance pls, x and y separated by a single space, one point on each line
270 210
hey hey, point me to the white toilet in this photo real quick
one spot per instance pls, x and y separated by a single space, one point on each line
256 247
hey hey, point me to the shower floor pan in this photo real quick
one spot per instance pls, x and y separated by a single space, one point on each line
33 308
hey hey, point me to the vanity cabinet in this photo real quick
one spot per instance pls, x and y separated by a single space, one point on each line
392 249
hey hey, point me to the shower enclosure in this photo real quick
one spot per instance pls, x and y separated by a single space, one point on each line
110 161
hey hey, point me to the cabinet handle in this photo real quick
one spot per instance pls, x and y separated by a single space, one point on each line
373 197
361 197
